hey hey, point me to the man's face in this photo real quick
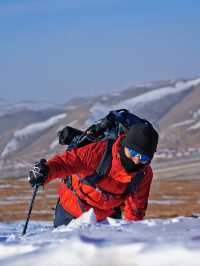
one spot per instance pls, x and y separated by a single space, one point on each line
136 157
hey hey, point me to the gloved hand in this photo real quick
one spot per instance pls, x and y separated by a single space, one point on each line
38 174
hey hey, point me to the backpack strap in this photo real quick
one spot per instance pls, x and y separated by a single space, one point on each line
134 184
103 166
106 160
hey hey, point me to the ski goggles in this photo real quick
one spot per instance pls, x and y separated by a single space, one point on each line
143 158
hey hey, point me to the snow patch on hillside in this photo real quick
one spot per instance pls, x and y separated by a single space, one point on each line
99 110
24 135
182 123
196 114
195 127
158 94
54 144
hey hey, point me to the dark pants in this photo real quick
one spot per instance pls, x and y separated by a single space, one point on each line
117 214
62 217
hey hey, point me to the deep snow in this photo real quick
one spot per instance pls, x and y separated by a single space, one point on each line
153 242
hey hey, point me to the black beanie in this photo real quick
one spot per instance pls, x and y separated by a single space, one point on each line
143 138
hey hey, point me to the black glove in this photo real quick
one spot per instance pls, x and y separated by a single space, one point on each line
38 174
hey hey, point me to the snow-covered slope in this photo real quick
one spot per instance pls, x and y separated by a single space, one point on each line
23 136
147 101
155 242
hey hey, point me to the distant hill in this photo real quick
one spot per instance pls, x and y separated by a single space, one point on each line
28 130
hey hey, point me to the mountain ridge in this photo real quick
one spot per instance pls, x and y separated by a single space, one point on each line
172 106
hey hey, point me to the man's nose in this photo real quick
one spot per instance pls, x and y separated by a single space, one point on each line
136 160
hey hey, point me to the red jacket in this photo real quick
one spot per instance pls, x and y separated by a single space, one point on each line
81 162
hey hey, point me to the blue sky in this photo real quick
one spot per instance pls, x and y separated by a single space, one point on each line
55 50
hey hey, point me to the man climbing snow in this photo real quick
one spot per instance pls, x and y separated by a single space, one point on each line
121 192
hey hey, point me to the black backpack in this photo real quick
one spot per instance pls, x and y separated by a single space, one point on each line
107 128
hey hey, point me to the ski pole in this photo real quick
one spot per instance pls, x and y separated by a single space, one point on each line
30 209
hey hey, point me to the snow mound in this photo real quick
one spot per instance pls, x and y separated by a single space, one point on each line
152 242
